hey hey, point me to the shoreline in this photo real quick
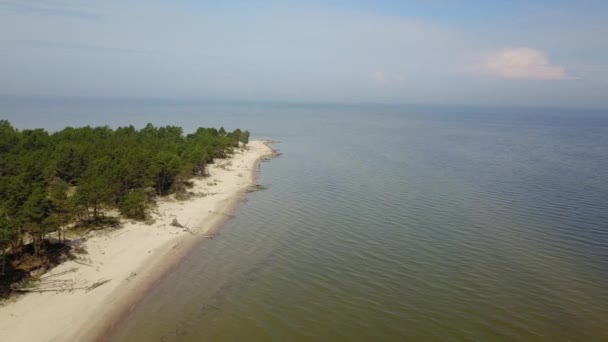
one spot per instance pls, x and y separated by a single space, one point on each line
138 257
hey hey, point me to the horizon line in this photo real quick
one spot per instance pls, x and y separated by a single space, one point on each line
279 102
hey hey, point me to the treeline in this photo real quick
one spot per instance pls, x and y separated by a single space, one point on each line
51 180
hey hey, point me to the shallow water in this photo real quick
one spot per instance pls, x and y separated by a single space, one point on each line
393 223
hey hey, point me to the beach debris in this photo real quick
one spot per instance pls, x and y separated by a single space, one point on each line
256 187
84 262
97 284
175 223
71 270
225 166
50 285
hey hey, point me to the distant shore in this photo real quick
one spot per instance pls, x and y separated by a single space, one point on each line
122 264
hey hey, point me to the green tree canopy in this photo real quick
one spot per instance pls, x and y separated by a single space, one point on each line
48 180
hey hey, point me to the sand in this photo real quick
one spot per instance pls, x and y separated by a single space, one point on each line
131 258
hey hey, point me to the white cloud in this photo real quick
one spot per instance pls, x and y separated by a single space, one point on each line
520 63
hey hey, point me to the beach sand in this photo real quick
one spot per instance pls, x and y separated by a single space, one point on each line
131 259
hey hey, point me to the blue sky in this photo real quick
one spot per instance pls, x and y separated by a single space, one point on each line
547 53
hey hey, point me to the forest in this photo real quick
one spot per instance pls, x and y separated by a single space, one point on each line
52 182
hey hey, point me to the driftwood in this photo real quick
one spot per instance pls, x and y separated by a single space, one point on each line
59 285
83 263
97 284
58 274
47 290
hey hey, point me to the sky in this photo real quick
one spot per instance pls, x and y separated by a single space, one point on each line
537 53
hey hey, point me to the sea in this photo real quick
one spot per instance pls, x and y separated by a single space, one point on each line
385 223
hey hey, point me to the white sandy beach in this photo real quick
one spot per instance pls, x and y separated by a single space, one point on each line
130 258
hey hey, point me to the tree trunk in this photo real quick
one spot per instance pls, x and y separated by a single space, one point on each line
37 241
87 211
3 262
95 212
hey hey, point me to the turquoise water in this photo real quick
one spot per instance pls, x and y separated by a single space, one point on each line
397 223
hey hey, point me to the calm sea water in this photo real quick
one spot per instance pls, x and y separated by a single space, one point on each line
391 223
